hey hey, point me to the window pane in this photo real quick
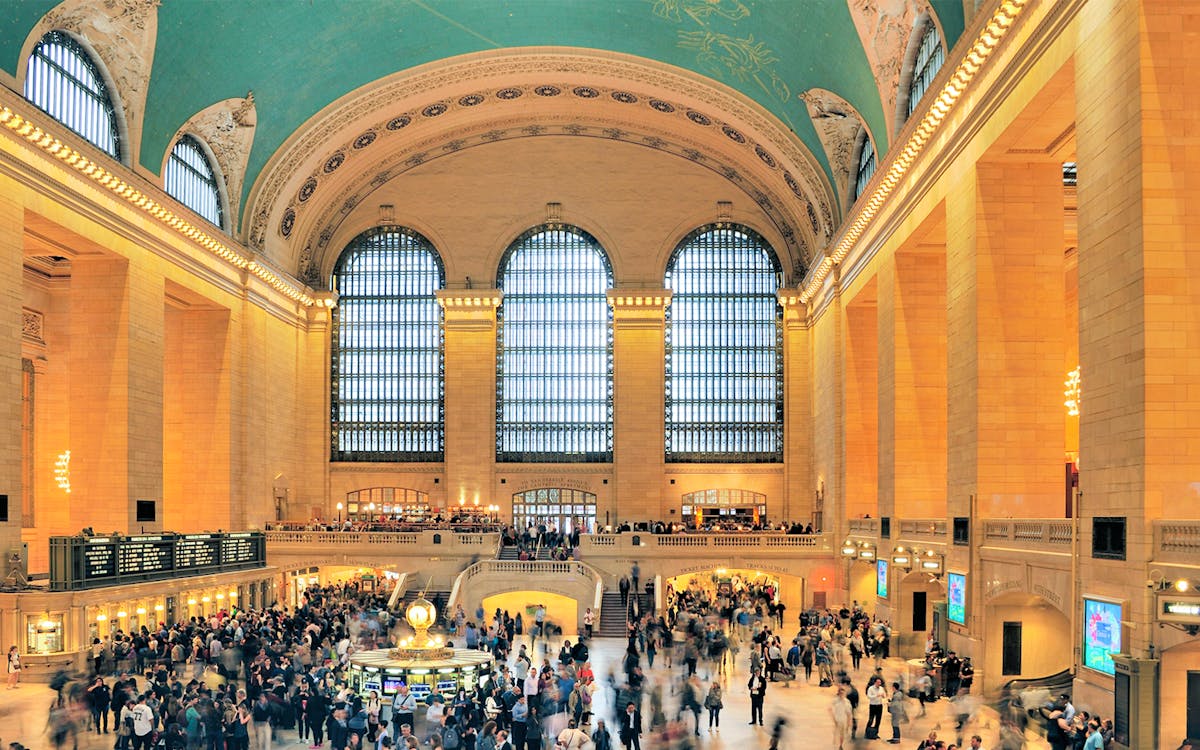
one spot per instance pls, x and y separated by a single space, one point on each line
62 80
190 179
554 358
724 349
930 56
387 349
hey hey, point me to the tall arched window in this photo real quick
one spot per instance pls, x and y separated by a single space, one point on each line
191 180
387 349
866 164
930 56
554 359
63 80
724 349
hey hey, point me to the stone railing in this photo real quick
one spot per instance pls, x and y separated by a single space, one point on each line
530 570
1046 534
863 526
920 529
1177 541
609 544
432 539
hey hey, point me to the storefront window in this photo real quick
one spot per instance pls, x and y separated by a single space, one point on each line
563 509
44 634
719 508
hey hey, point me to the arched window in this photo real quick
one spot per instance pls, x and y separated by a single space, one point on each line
930 56
866 164
64 81
191 180
724 349
554 359
387 349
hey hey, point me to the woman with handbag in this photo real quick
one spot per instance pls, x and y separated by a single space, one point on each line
713 703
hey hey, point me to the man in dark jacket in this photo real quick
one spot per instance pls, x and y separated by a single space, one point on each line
631 727
758 691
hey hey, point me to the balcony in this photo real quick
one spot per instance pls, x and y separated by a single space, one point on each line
1177 542
1029 534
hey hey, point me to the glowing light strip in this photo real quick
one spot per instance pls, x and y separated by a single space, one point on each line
120 188
974 60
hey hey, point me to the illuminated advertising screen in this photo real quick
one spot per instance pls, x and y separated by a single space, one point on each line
1101 634
956 598
881 578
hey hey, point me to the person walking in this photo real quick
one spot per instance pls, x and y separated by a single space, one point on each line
897 711
14 668
713 703
758 691
842 715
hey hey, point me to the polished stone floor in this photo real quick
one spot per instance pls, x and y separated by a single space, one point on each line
805 707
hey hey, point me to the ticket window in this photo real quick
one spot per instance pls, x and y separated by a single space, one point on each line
44 633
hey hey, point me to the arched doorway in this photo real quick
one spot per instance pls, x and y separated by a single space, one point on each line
1179 694
729 588
912 611
1025 636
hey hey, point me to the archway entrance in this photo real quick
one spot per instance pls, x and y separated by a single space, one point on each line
912 612
730 588
1179 694
1025 637
562 612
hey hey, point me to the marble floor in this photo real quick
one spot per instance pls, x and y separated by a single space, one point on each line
805 707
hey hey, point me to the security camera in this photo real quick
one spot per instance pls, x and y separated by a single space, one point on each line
1149 584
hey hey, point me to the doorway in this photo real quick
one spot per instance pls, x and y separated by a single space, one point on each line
1010 661
919 622
1193 705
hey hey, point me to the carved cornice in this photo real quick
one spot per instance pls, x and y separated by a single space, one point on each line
349 130
639 299
463 300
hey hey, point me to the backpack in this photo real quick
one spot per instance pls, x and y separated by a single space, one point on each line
450 738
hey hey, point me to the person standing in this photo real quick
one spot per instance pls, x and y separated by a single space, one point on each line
14 668
713 703
589 620
876 694
622 585
758 691
842 715
404 706
520 714
98 698
897 712
631 727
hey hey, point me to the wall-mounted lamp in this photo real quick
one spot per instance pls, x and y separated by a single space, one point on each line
902 558
849 548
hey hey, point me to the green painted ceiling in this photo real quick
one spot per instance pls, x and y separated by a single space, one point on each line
298 56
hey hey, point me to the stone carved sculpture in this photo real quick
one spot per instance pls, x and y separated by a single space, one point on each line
228 129
838 125
884 26
122 33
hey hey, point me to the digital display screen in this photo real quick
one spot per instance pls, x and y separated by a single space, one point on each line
956 598
392 684
197 551
881 578
1101 634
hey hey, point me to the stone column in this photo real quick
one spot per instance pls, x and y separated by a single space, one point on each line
1006 298
116 393
12 242
639 413
799 489
470 394
861 424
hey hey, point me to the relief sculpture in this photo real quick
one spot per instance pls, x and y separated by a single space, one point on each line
122 33
228 129
837 125
884 26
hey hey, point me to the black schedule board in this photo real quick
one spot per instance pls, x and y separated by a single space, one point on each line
197 551
81 562
100 559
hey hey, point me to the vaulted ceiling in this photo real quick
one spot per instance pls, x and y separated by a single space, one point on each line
330 77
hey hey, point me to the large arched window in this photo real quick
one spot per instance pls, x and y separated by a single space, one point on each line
191 180
866 164
65 82
724 349
387 349
554 359
929 58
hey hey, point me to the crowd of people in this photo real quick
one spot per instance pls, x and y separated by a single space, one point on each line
238 680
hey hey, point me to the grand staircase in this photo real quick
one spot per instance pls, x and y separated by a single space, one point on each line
613 616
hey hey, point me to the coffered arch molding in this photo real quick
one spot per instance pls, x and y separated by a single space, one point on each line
365 139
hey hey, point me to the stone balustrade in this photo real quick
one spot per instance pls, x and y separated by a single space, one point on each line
1044 534
1177 541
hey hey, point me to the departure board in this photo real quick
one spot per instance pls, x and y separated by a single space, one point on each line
82 562
197 551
